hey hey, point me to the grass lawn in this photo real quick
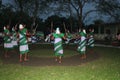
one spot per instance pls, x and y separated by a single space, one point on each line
45 50
105 68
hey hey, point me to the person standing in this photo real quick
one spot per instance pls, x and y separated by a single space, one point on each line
23 43
91 40
58 48
7 41
69 37
82 44
14 37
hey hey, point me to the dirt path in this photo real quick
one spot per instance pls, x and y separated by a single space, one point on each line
43 61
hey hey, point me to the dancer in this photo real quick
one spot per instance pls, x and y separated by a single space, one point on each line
14 37
23 43
91 40
48 37
58 48
7 41
77 38
69 37
82 44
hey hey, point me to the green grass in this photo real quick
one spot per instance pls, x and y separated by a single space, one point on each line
105 68
45 50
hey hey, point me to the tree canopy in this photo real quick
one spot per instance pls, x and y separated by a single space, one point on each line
70 12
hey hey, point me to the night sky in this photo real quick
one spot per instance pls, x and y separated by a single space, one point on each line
89 20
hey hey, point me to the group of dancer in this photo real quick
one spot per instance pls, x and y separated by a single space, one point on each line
14 39
85 40
19 39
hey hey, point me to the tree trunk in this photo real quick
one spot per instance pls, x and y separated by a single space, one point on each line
35 14
70 23
79 20
70 17
80 23
0 3
80 16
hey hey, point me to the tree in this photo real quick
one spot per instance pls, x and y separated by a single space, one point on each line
67 6
110 7
6 14
0 3
19 5
32 7
78 6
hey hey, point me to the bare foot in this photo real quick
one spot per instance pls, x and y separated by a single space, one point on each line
83 57
60 61
26 59
20 61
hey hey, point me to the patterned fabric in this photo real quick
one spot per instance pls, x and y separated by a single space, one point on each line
69 36
34 39
14 38
7 40
24 49
47 39
91 40
82 43
58 44
23 41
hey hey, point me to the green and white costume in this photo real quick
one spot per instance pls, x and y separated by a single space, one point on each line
69 37
91 40
7 40
23 41
82 43
14 38
58 44
47 39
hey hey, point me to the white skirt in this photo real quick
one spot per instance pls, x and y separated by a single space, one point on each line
55 42
24 48
14 43
8 45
